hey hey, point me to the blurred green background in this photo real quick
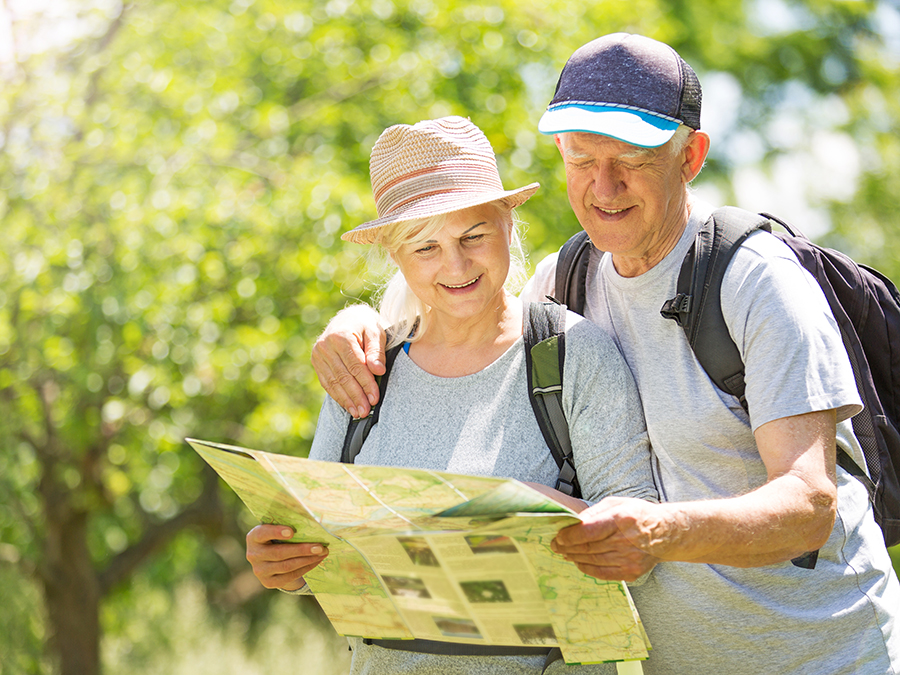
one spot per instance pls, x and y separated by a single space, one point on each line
174 177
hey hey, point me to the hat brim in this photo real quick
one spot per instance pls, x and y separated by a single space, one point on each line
438 205
634 127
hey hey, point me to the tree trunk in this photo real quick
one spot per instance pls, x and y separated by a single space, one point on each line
72 596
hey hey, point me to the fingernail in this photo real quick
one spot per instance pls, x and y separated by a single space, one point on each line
317 549
357 413
286 533
376 362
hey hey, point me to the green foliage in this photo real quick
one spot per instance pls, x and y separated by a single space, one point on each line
21 622
177 634
174 184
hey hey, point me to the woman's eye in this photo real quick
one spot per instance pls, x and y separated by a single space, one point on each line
424 249
474 237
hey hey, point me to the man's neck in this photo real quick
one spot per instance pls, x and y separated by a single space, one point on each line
633 266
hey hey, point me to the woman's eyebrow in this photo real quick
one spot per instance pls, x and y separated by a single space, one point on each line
434 241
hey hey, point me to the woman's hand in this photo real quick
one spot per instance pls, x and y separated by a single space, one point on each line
280 565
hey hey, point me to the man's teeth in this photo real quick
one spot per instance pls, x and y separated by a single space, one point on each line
468 283
611 211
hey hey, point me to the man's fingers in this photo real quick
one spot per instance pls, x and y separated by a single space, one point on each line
585 533
340 364
343 354
374 342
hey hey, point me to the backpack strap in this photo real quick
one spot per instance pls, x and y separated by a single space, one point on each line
358 429
697 307
571 271
545 354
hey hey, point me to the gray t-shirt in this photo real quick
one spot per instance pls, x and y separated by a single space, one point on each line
483 424
837 618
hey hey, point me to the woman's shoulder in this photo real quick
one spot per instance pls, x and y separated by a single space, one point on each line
582 333
588 348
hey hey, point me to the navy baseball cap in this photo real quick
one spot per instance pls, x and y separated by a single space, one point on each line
626 86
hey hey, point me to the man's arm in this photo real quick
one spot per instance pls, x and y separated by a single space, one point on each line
792 513
348 355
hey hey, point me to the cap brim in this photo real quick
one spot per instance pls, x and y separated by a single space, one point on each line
438 205
630 126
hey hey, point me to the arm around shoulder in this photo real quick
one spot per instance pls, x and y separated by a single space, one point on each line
348 355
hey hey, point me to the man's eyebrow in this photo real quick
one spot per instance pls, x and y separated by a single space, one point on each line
576 154
636 152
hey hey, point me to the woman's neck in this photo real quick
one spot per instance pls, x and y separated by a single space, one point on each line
453 348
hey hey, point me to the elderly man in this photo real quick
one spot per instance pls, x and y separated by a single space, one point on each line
744 494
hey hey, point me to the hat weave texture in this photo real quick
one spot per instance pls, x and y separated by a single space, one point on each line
432 168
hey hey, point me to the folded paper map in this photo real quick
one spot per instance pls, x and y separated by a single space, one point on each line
425 554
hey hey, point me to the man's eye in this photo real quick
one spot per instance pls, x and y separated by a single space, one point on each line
425 249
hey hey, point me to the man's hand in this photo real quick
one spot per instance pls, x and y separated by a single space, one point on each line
279 565
614 540
791 513
348 355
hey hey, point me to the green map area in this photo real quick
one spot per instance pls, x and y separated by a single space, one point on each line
425 554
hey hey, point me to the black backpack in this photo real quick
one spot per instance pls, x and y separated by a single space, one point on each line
865 304
544 334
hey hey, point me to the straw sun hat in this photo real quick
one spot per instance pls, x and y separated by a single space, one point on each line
429 169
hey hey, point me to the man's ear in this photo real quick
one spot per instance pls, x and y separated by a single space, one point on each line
694 155
558 140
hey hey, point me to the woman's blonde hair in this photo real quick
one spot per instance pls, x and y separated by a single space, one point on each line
399 307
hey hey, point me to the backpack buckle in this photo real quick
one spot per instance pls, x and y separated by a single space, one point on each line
678 308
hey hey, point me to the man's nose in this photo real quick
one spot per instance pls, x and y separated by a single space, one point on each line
606 184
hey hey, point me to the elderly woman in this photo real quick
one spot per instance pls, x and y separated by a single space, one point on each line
457 398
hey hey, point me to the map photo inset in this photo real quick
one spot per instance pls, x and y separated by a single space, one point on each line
485 591
536 634
456 627
490 543
406 587
418 551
